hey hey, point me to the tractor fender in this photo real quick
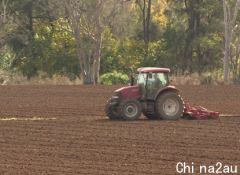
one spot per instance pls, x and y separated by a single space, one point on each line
165 89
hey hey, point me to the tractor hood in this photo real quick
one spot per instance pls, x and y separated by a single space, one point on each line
129 92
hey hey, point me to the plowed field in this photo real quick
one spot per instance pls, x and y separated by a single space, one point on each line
64 130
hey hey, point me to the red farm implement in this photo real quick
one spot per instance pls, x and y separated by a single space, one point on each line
199 113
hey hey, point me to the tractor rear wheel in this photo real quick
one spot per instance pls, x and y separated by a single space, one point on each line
112 111
169 106
130 109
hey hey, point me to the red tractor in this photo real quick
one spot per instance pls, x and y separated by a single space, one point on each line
154 97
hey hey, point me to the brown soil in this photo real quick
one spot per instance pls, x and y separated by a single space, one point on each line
71 134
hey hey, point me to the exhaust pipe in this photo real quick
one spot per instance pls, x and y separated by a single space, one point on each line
131 77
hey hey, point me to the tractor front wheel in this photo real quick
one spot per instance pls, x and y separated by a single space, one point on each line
169 106
130 109
112 111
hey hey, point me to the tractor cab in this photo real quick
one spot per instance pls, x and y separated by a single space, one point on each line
151 82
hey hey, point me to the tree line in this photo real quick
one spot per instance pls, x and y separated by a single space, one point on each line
89 39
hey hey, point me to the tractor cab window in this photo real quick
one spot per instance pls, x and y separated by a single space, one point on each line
158 80
141 79
155 82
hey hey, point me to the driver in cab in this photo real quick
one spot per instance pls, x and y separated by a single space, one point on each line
157 82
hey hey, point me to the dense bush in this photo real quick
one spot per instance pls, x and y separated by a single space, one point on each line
114 78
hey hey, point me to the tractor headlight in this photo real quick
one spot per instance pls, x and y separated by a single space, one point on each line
115 97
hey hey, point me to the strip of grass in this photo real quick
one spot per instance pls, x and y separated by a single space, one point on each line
33 118
229 115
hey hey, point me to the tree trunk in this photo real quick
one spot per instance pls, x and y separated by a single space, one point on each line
226 54
148 22
83 63
97 57
147 28
144 21
200 55
89 66
190 36
5 11
146 15
99 32
237 57
229 27
98 43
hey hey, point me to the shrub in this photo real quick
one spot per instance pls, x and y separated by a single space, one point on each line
114 78
206 78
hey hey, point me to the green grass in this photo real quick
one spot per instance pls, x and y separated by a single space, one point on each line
229 115
21 119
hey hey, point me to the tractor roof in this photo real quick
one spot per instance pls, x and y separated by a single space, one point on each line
152 69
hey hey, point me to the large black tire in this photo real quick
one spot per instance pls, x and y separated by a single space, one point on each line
169 106
112 111
130 109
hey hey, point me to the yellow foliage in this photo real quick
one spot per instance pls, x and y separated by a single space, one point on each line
157 11
158 15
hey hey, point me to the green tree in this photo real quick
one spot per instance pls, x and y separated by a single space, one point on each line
194 34
88 20
55 51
